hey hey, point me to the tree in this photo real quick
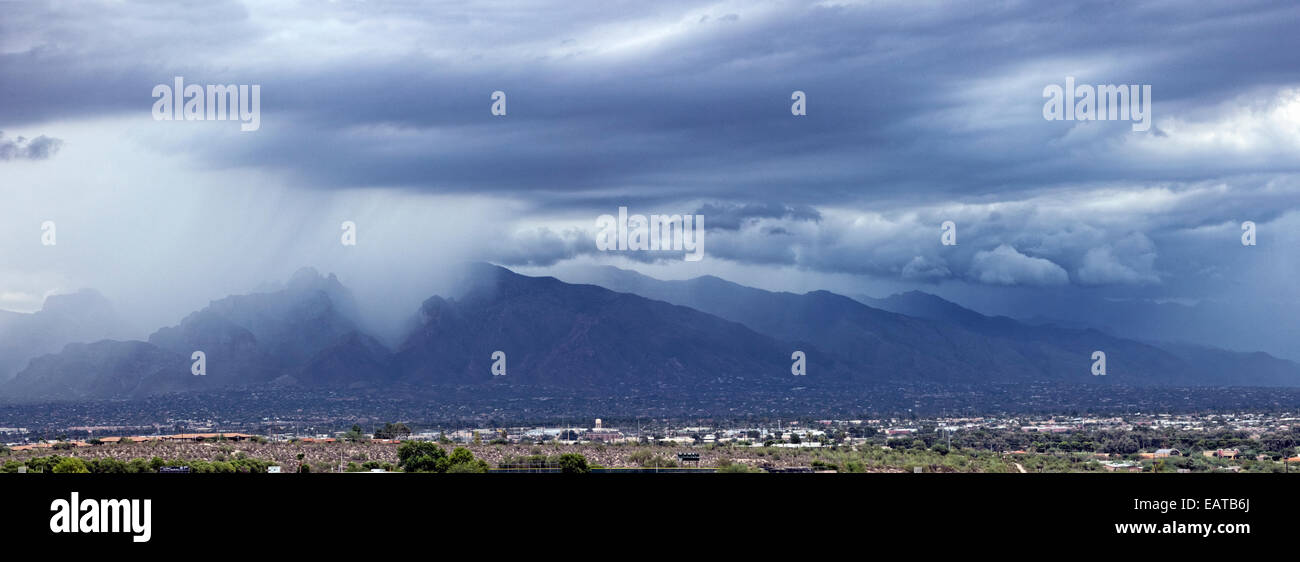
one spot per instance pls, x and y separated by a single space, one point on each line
354 434
477 467
463 461
461 455
108 466
573 463
43 464
71 465
422 456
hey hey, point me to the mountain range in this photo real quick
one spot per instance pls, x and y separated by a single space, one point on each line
77 317
918 336
614 330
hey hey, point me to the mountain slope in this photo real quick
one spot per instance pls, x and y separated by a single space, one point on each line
105 369
943 342
292 324
1201 364
354 360
586 337
682 336
305 332
77 317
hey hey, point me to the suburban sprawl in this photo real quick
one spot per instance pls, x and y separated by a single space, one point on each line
1246 442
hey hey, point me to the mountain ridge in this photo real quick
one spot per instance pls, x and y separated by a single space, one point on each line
651 335
937 328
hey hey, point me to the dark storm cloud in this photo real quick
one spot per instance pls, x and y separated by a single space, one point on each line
732 217
904 100
917 114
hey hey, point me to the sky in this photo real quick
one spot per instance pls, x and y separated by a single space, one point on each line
917 113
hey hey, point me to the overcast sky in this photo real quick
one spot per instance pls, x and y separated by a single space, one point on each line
917 113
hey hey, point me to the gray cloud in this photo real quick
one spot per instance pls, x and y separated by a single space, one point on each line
1130 260
1005 265
918 113
732 216
39 148
919 268
598 101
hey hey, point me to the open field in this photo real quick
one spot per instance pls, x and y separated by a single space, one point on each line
343 456
335 456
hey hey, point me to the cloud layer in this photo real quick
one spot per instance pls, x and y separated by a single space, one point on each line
917 114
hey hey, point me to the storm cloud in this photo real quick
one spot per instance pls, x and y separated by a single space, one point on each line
917 114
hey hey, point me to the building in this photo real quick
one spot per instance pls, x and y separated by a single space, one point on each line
603 435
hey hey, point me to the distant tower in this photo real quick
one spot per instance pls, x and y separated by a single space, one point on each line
597 423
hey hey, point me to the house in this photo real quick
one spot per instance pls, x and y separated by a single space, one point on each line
1166 453
204 436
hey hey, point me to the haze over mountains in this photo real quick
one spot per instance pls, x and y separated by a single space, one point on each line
623 332
1234 325
581 337
919 329
249 340
77 317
